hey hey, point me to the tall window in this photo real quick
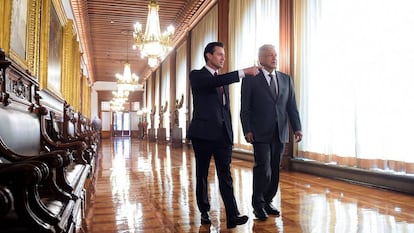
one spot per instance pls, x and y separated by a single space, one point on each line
202 34
165 95
157 99
150 104
181 84
354 60
252 24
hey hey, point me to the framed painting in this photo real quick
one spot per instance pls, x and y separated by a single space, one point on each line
51 46
55 51
22 38
18 35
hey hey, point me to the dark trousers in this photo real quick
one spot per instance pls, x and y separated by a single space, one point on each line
221 150
267 159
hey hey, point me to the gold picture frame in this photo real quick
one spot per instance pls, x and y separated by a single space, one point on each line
20 26
70 85
18 32
52 46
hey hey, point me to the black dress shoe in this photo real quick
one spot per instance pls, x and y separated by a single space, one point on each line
271 210
205 218
238 220
260 214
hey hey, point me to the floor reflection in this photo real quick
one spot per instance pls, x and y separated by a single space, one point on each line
149 187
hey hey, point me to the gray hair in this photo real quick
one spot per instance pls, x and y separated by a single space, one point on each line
265 47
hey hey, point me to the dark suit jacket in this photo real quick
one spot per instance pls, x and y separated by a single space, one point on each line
260 111
209 114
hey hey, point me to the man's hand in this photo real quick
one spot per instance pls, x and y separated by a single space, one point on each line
249 137
254 70
298 136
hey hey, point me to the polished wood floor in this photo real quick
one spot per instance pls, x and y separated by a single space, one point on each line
145 187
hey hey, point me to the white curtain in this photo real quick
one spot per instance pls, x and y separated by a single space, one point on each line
354 61
157 98
205 32
181 84
148 90
165 93
252 23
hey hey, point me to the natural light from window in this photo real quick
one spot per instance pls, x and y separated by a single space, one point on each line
356 82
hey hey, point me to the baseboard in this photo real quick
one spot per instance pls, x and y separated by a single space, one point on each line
395 182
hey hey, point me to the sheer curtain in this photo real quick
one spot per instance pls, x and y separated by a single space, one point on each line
149 104
252 24
165 93
157 99
205 32
181 84
355 81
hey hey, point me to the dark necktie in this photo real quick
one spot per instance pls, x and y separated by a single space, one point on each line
220 89
273 88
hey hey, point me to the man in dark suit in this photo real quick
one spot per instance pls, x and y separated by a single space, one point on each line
267 104
211 131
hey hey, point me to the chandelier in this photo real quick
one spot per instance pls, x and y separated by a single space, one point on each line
127 81
152 43
120 97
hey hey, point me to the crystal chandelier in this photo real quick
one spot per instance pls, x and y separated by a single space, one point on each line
120 97
127 81
152 43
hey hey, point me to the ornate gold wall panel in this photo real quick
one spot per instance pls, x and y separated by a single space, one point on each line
34 41
44 43
67 62
86 97
71 73
77 75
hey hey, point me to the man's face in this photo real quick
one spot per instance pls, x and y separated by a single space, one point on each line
216 60
268 59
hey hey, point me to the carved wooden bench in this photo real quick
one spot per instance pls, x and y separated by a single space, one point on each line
45 180
27 213
53 136
73 130
85 130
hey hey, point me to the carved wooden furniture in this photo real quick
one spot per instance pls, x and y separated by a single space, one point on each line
6 201
70 131
41 181
85 131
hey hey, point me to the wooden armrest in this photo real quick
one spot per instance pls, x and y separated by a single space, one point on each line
6 201
23 173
